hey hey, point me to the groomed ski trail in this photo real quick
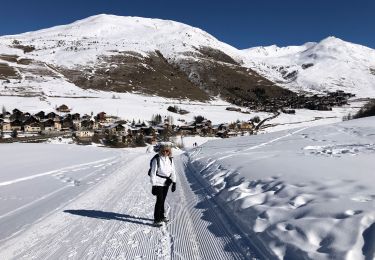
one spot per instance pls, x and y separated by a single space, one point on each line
113 220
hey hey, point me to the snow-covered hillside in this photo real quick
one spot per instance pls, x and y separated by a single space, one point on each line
301 194
329 65
83 41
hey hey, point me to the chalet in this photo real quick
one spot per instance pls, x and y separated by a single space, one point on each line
87 124
30 120
34 127
41 115
17 111
51 115
6 127
63 108
76 116
48 125
16 115
121 129
101 117
16 125
187 130
67 124
76 124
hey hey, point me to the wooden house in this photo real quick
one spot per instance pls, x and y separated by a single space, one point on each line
48 125
63 108
41 115
34 127
6 127
101 117
16 125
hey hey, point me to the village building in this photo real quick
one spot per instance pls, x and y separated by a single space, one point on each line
51 115
33 127
48 125
63 108
111 119
57 124
41 115
101 117
16 125
83 134
76 124
6 127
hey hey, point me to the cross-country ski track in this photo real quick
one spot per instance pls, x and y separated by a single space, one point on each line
112 217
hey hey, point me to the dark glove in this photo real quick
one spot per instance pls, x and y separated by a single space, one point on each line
153 190
168 182
173 187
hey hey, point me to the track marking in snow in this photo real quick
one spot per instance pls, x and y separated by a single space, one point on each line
265 143
75 182
52 172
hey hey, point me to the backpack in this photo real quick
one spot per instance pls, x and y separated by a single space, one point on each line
157 157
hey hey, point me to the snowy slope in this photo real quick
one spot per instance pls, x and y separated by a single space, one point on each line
102 34
329 65
302 194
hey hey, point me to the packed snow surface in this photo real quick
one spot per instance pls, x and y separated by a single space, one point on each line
306 193
61 201
303 193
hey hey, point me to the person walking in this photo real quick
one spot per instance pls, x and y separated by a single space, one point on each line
162 175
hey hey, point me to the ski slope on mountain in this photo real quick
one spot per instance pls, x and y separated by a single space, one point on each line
96 203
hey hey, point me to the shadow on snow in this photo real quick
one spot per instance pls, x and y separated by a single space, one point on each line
110 216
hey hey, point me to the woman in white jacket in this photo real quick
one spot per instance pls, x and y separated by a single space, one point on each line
163 174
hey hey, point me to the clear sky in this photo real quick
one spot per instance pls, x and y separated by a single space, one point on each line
241 23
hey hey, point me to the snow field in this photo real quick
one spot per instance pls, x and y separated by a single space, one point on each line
112 218
307 193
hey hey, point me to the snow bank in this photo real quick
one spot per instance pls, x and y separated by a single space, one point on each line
305 194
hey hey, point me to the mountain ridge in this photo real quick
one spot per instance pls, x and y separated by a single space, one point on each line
171 59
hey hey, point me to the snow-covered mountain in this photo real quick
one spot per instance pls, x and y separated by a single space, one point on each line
125 54
329 65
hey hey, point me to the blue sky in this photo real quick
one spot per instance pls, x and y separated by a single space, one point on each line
241 23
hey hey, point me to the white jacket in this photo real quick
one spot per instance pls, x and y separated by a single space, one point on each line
166 168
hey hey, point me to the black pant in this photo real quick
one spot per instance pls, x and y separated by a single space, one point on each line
161 195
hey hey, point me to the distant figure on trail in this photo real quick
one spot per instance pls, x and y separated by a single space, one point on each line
162 175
